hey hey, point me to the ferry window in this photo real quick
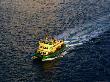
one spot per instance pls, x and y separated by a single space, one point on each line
44 47
43 41
46 42
50 43
44 53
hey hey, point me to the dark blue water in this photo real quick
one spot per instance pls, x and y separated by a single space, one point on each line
23 23
86 63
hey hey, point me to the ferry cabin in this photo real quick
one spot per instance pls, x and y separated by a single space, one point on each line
48 47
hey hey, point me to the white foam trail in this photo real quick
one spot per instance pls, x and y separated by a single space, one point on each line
67 41
81 34
71 45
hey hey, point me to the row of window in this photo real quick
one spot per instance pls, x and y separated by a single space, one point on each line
43 47
50 43
43 53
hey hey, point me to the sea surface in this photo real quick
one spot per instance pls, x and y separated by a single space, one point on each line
83 24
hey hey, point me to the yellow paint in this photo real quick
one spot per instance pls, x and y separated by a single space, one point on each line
49 46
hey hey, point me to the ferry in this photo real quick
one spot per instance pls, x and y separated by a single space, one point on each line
49 49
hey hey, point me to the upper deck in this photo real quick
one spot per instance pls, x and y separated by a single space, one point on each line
49 45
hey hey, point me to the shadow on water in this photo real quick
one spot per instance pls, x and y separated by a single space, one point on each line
46 66
45 71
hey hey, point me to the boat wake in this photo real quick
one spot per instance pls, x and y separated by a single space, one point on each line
83 33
